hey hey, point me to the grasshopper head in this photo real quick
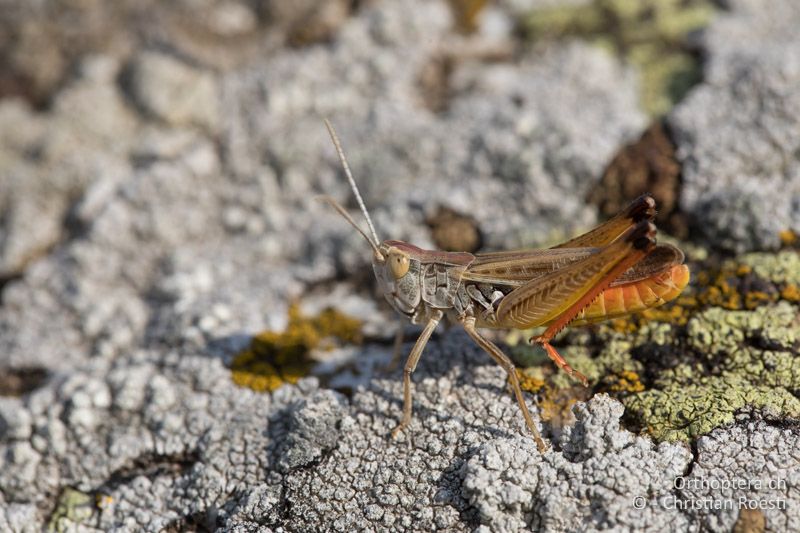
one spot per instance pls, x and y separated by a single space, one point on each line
398 277
395 268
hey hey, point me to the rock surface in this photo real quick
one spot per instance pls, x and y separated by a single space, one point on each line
737 133
177 438
159 209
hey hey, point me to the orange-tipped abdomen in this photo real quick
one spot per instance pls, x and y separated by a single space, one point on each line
636 296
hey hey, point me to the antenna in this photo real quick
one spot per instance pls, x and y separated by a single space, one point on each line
338 145
352 222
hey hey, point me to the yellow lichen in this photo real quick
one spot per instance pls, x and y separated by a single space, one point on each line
719 291
465 13
624 381
529 383
754 299
674 314
791 293
624 325
788 237
103 501
556 404
757 280
273 359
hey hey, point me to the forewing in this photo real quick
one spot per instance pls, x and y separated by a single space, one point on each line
514 268
517 267
643 208
544 298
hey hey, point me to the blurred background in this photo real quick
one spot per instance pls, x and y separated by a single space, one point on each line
160 161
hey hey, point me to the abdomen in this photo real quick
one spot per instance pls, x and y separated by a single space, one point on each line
637 296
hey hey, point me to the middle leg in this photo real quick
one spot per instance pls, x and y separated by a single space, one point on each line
503 360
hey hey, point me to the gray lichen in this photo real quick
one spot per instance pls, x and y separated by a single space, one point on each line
736 132
193 448
142 243
594 481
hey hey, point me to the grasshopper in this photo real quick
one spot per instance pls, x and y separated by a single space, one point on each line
613 270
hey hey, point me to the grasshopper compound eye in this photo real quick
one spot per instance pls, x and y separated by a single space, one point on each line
398 264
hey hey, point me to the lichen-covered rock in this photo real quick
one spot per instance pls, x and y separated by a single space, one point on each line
596 481
652 35
753 354
183 443
736 132
783 267
18 517
159 216
89 298
174 91
507 135
135 436
749 465
47 162
15 420
312 428
192 235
